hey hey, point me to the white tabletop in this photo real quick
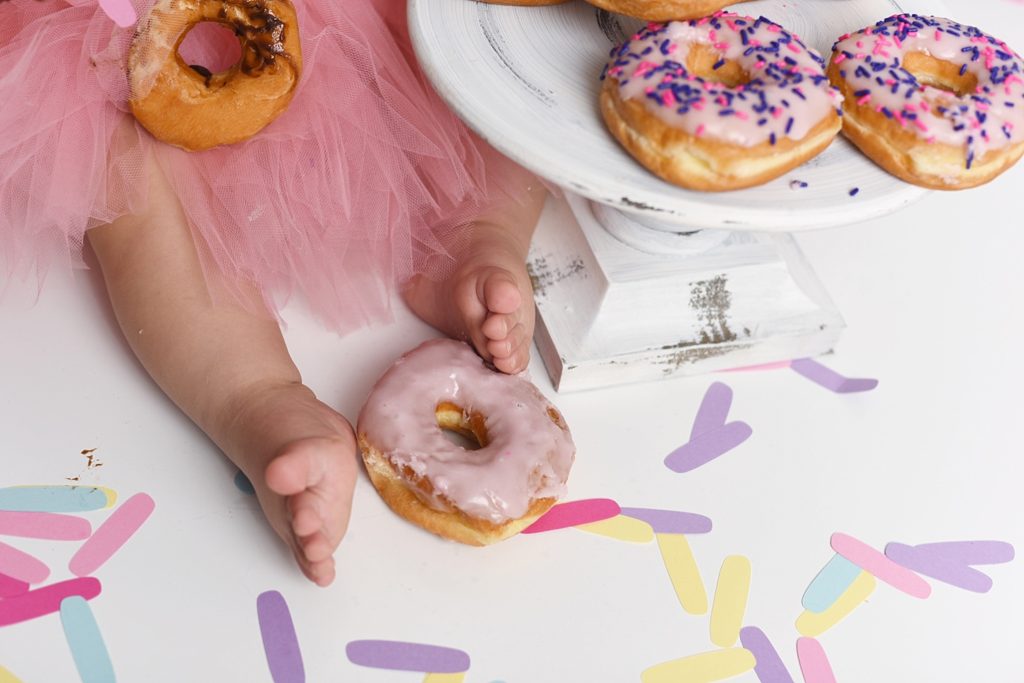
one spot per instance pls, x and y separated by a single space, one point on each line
931 297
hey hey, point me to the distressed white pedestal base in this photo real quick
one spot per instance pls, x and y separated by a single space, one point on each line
610 313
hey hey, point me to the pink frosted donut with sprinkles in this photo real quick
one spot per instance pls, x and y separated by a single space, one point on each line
719 103
931 101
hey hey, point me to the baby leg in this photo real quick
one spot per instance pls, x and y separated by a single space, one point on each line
226 366
488 299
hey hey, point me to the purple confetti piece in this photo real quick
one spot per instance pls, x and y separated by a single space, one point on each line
947 571
708 446
393 654
671 521
281 645
769 667
713 411
10 586
969 552
830 379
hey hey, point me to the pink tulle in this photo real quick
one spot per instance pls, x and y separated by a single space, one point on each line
365 180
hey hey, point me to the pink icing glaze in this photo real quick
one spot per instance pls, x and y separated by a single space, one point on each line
990 118
528 456
788 93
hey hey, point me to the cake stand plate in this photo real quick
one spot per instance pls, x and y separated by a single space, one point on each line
635 278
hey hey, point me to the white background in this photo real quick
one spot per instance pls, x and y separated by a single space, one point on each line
932 300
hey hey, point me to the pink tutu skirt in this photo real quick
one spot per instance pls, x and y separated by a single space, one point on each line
365 180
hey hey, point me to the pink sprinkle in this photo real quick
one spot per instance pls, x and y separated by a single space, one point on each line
884 569
938 35
699 131
792 47
864 100
921 124
776 113
668 98
760 65
722 46
774 28
840 58
742 115
573 513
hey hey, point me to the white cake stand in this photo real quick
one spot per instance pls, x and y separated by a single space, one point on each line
635 278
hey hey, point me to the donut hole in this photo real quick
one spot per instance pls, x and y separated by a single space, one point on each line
210 47
940 74
466 429
708 64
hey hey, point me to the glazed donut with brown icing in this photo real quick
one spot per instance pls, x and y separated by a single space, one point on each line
194 109
664 10
477 496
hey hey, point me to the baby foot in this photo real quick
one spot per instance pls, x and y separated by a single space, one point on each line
488 301
300 456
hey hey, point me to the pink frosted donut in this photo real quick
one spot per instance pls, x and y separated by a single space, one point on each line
934 102
719 103
471 496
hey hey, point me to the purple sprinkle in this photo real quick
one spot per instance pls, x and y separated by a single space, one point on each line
714 409
830 379
279 640
854 192
946 570
797 184
970 552
708 446
400 656
671 521
769 668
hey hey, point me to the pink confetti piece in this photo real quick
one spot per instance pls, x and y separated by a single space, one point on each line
573 513
708 446
281 645
830 379
120 11
769 668
112 534
45 600
880 566
400 656
46 525
670 521
813 662
763 366
10 586
21 566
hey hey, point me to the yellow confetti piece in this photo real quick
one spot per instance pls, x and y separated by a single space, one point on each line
7 677
621 528
705 667
812 624
730 600
111 495
439 678
683 572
